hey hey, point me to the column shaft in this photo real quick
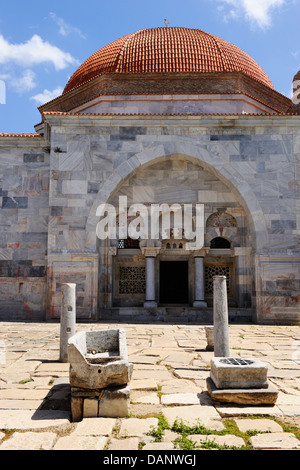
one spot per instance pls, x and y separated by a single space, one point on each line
67 318
150 282
221 330
199 283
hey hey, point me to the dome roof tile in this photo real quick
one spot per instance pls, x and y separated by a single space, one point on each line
169 49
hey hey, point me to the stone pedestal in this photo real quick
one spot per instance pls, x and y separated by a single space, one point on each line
238 372
111 402
241 381
67 318
243 396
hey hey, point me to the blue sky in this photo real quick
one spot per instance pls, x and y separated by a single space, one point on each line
43 43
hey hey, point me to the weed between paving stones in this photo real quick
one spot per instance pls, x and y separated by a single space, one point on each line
230 427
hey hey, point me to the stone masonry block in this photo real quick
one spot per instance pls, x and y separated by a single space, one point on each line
114 402
238 373
90 408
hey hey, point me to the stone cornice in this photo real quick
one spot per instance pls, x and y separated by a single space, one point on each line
234 123
168 83
22 141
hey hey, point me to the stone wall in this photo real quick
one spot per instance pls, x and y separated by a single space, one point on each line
252 159
24 219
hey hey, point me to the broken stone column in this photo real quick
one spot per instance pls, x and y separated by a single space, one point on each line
220 313
67 318
234 380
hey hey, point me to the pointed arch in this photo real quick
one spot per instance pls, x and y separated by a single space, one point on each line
220 167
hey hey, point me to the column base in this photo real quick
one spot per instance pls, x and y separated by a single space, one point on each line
199 303
150 303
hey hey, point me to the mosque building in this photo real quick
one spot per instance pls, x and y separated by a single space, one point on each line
173 116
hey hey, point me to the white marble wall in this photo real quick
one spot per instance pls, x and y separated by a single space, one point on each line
241 163
24 221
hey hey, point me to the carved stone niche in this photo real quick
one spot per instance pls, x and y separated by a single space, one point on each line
221 224
173 246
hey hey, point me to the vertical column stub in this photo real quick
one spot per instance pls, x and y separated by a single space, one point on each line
220 313
67 318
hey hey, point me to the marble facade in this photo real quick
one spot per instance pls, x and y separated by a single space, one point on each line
242 167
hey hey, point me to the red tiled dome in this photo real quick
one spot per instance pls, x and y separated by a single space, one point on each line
170 49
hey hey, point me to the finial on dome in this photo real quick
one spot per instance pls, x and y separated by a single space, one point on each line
166 23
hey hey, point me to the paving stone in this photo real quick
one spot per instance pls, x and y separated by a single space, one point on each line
131 443
94 427
143 359
143 410
157 446
262 425
290 410
53 366
191 374
20 404
12 376
275 440
21 394
287 399
177 359
228 440
135 427
81 443
27 419
151 398
178 385
228 411
170 436
164 343
143 384
180 399
29 441
159 375
192 414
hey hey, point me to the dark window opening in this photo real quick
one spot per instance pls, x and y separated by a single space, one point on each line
219 242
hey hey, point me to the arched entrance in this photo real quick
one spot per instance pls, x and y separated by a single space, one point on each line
174 271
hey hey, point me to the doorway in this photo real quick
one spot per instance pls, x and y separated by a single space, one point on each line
174 282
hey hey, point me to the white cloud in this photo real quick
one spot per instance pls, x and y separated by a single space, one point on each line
46 95
24 83
258 12
64 28
34 52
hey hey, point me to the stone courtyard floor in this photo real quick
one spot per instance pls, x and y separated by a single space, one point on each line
170 407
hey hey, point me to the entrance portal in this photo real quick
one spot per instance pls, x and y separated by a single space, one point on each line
174 282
